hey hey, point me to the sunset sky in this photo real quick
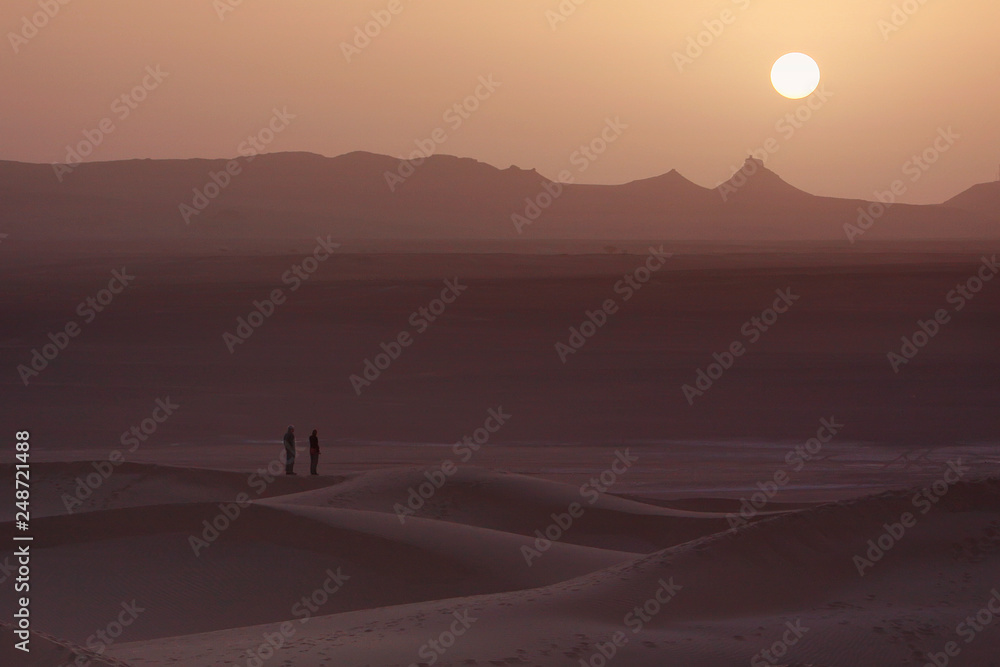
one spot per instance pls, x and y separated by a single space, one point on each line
890 91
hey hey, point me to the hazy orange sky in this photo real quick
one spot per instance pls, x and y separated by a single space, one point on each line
891 92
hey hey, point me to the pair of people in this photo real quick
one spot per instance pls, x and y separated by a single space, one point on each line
290 451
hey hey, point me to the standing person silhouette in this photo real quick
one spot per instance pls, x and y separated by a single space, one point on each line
313 453
290 450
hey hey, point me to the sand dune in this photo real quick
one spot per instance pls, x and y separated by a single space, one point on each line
187 561
47 651
85 486
515 504
718 600
268 558
325 569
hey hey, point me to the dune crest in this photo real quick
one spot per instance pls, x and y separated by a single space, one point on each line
371 579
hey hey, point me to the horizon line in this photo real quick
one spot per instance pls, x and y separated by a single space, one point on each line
763 164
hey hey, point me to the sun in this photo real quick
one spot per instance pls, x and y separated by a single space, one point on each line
795 75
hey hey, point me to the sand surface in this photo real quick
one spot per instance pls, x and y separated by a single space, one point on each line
496 347
724 593
605 522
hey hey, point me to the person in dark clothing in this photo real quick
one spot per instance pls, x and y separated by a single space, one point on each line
313 452
290 450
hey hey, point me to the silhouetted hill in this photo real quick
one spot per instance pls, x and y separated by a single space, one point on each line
364 195
981 200
754 182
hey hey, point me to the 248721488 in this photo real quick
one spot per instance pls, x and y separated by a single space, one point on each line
22 539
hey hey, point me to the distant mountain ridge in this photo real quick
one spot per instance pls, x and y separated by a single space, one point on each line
365 195
982 200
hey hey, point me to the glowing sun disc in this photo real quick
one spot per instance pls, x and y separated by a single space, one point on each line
795 75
